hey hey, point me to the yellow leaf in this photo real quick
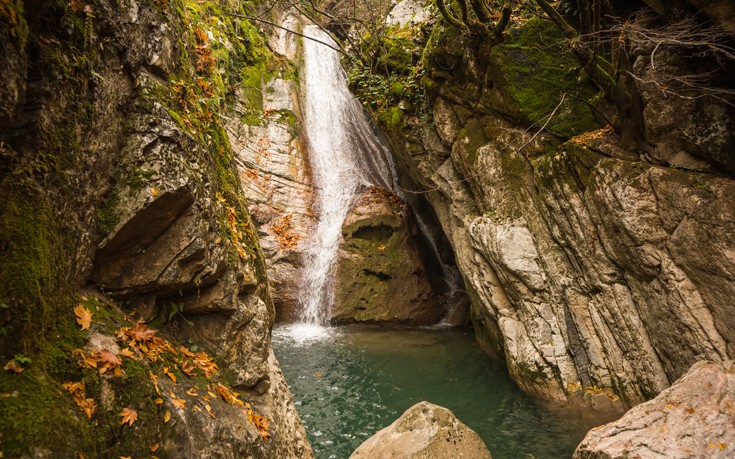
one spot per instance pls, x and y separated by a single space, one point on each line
125 457
128 415
158 401
171 376
179 403
154 191
74 387
154 448
127 353
87 405
167 416
84 316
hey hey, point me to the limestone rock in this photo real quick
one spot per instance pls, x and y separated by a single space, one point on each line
380 275
599 277
694 418
424 431
273 164
407 12
119 191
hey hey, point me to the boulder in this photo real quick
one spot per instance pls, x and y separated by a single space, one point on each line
693 418
380 275
424 431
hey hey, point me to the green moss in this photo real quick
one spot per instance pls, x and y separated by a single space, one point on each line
107 217
138 178
38 414
473 138
532 375
532 69
31 265
570 165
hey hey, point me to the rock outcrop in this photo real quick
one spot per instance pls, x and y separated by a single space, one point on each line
118 178
424 431
600 274
693 418
273 164
380 274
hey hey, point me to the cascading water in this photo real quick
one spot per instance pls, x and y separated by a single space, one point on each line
345 156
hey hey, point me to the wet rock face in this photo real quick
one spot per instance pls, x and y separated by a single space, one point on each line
273 164
599 274
380 275
424 431
693 418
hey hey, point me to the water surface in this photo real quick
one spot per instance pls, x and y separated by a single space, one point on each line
350 382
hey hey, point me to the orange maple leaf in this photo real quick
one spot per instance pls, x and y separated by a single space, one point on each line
13 366
107 360
188 368
261 423
84 316
129 415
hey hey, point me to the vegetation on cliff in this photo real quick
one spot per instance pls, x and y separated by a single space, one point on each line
86 82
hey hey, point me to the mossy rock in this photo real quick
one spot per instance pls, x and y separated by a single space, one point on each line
533 72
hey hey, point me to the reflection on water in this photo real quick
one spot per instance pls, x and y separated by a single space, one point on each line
349 383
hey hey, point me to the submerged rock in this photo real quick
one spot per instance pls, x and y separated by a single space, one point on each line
424 431
693 418
380 275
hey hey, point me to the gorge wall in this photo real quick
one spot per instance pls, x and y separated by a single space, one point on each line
120 204
600 272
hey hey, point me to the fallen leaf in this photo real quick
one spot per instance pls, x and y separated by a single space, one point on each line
154 448
107 360
127 353
189 369
84 316
87 405
158 401
192 392
74 387
179 403
167 416
261 423
171 376
129 415
13 366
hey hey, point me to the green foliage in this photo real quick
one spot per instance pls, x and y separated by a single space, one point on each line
391 80
107 216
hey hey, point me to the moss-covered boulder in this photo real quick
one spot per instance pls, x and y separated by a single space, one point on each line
380 275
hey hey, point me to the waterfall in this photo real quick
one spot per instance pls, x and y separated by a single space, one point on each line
345 157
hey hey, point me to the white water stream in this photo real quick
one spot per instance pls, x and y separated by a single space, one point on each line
345 157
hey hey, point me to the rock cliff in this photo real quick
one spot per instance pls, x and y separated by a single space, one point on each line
120 204
599 271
